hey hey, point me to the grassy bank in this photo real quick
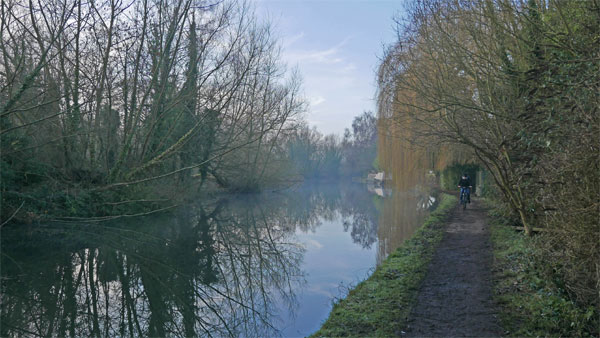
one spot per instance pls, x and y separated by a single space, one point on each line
532 302
380 305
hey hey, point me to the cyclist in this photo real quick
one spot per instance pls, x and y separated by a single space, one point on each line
465 184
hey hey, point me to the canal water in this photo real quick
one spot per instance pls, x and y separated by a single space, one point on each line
239 265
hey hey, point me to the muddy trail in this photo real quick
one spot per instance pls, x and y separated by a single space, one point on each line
455 299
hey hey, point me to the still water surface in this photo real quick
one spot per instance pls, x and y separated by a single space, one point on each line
242 265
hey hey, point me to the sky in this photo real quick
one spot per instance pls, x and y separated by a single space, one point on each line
336 46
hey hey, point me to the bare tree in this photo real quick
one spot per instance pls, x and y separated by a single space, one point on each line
125 95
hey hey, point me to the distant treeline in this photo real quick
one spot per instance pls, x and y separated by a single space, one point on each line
513 86
317 156
119 107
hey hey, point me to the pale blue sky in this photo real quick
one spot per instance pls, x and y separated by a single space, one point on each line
336 45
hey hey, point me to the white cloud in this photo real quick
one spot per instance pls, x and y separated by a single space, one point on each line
318 56
313 243
326 56
316 100
287 42
334 80
323 289
349 68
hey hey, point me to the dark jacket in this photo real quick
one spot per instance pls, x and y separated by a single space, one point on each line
464 182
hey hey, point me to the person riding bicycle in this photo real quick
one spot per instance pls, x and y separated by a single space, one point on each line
465 185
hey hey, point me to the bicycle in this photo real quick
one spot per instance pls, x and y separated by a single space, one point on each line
464 197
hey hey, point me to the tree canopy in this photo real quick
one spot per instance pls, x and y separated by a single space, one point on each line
512 86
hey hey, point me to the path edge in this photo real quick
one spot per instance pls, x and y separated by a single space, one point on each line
380 305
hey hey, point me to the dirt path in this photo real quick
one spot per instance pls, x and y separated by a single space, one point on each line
455 298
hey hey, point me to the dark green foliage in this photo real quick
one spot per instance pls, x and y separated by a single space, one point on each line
534 301
450 176
560 142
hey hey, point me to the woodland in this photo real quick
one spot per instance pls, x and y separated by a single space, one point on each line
113 108
119 108
512 87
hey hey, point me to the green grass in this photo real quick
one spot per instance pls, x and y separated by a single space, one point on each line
532 303
380 305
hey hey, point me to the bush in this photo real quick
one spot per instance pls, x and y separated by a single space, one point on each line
532 296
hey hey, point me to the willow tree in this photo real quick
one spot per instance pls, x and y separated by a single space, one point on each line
408 145
515 85
453 88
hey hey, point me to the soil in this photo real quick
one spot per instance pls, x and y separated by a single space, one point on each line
455 298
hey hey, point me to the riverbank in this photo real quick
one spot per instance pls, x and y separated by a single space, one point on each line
531 302
380 305
424 287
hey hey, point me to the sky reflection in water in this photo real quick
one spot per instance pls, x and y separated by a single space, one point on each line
239 266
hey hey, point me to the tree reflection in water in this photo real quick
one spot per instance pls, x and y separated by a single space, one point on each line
401 214
211 269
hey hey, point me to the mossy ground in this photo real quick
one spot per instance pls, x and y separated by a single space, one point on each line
380 305
531 302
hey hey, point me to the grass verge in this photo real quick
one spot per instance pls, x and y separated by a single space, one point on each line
380 305
531 302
